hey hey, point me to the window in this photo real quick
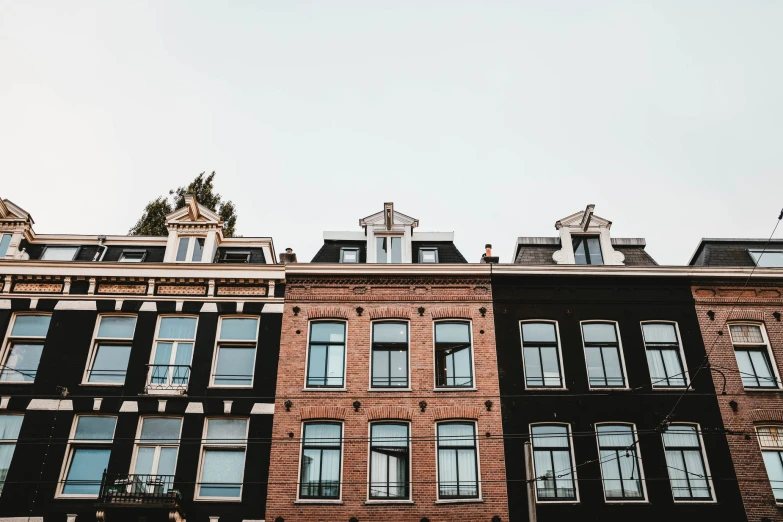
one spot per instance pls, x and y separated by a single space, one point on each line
686 463
235 357
587 250
389 355
321 460
23 348
620 463
132 256
326 356
428 255
9 433
389 461
155 458
751 349
190 249
173 352
349 255
552 462
111 349
453 357
663 355
389 249
236 257
771 444
541 355
64 253
602 351
457 460
766 258
88 455
5 241
222 459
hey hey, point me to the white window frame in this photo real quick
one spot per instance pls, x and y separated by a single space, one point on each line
684 363
225 257
353 249
770 449
244 344
55 247
770 355
10 442
73 444
122 258
389 236
389 388
572 454
369 499
191 248
646 499
339 499
10 340
432 249
307 357
435 386
706 461
625 385
205 445
559 355
584 237
139 443
170 386
480 497
119 341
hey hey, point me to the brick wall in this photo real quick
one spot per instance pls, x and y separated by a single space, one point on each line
756 304
398 298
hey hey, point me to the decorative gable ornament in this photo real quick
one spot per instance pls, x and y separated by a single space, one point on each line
585 223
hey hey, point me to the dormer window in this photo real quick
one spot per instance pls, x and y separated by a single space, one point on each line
59 253
237 257
587 250
428 255
190 249
349 255
389 249
132 256
5 240
762 258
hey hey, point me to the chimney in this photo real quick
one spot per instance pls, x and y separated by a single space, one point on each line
288 257
487 256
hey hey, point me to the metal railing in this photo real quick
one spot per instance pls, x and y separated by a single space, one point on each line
131 490
168 376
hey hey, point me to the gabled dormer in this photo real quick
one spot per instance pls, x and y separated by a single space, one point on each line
15 226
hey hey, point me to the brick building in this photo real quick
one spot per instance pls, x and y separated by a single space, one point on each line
740 318
387 387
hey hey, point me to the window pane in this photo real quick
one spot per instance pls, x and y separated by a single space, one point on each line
86 471
769 258
110 364
462 372
428 255
396 256
456 435
452 333
6 454
595 367
599 333
564 479
681 436
145 460
95 428
389 435
5 240
322 434
390 332
580 256
381 249
131 257
671 360
659 333
116 327
167 464
380 368
316 372
746 368
10 426
629 471
182 249
617 436
612 366
399 367
22 363
31 325
678 476
230 431
548 436
334 366
239 329
594 246
763 369
696 474
770 437
177 328
466 460
538 332
746 333
533 370
774 465
447 472
551 366
235 366
349 255
221 473
59 253
160 430
198 249
327 332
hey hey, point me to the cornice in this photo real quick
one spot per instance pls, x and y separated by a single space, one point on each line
145 270
371 269
640 271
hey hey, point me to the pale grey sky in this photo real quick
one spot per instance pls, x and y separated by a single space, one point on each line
491 119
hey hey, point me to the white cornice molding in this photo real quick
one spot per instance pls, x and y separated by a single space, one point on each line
696 272
144 270
409 269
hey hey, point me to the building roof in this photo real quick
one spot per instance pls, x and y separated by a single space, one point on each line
539 251
729 251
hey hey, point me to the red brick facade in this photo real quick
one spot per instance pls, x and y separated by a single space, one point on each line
756 305
419 300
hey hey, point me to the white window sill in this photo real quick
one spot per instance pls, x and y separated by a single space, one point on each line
683 502
387 502
615 502
113 385
389 389
545 388
545 502
213 387
318 501
17 382
217 499
324 389
455 389
610 389
671 388
762 390
460 501
75 497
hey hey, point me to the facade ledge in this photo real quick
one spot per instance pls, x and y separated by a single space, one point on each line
459 501
387 502
316 501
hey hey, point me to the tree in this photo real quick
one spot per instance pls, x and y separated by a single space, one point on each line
153 221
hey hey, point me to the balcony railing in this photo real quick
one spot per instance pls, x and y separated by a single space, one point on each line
165 377
131 490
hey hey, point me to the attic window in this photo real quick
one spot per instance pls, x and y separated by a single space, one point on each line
349 255
5 240
190 249
767 258
64 253
428 255
389 249
237 257
132 256
587 250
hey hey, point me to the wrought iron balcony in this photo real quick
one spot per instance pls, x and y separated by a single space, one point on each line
167 378
144 491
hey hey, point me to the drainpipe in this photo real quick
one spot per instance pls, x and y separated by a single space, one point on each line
99 255
531 488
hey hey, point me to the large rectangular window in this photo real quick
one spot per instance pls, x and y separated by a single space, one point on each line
326 355
685 462
541 355
87 456
59 253
754 360
771 443
389 249
553 462
321 460
155 459
111 347
620 462
453 355
587 250
23 347
173 352
390 355
663 355
767 258
190 249
389 460
222 459
9 433
235 356
602 351
5 241
457 460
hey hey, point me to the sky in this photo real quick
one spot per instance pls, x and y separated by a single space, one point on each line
489 119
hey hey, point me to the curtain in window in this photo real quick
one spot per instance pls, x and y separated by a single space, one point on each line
226 431
117 327
177 328
774 465
659 333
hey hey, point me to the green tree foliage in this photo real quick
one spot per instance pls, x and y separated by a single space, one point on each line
153 221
